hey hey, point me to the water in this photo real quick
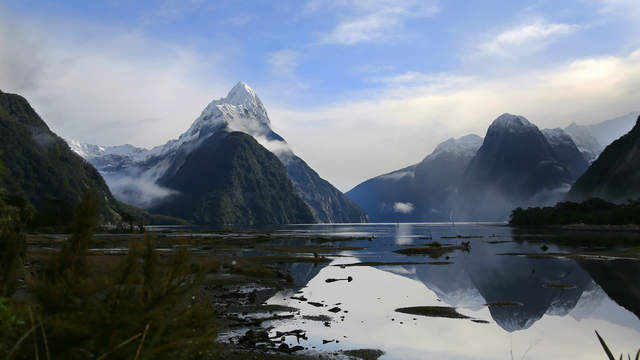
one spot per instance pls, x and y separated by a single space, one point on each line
550 323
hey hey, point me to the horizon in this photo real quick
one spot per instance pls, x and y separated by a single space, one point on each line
389 79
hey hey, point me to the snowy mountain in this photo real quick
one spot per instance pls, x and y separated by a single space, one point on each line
566 151
136 175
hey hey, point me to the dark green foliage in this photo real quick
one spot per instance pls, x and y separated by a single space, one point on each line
14 216
40 167
593 212
233 180
615 175
88 311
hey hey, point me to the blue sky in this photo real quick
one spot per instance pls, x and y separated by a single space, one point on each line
356 87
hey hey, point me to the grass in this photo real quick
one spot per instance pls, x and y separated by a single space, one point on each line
503 303
433 251
433 311
610 354
392 263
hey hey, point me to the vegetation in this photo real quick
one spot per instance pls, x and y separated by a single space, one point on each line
41 169
143 306
608 351
592 212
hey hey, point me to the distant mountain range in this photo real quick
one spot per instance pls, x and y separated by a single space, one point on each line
155 179
231 168
515 165
422 192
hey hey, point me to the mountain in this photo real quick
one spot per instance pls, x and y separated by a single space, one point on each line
230 179
608 131
586 142
614 176
421 192
591 139
140 176
566 151
40 167
515 166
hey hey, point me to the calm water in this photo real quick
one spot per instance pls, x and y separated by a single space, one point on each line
551 323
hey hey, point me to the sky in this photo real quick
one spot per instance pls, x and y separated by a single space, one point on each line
357 87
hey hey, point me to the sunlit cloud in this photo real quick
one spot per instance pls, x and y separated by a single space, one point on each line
370 21
107 86
283 62
526 38
403 123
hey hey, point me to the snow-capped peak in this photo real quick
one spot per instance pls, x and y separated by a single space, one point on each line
242 94
557 136
464 146
511 123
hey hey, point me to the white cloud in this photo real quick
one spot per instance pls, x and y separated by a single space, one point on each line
370 21
403 208
630 8
283 62
375 133
106 86
526 38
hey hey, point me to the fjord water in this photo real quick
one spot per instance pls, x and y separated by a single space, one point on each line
535 321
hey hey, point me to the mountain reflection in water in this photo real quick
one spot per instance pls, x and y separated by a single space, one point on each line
542 308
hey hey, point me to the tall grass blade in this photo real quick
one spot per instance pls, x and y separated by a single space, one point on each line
122 344
15 348
605 347
144 336
44 338
35 338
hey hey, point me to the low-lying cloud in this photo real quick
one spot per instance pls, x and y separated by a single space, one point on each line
403 207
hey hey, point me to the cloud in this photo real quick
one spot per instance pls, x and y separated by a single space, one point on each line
283 62
403 208
136 189
370 21
528 38
630 8
104 85
376 132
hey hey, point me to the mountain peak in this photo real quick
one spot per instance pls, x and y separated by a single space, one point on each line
242 94
511 123
466 145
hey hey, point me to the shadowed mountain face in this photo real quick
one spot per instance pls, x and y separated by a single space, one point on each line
135 174
40 167
515 166
565 150
619 279
422 192
614 176
230 179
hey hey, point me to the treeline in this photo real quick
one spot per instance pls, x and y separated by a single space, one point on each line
594 211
